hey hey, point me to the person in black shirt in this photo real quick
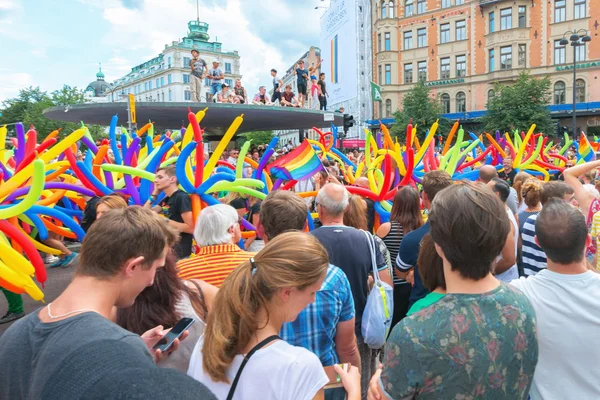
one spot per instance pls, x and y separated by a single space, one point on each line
509 173
176 207
89 213
324 94
302 75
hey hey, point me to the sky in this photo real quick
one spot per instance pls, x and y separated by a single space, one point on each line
50 43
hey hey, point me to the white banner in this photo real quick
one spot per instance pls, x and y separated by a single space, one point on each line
339 52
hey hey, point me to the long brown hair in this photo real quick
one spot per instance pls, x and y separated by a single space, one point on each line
356 213
518 182
246 291
406 209
156 305
431 265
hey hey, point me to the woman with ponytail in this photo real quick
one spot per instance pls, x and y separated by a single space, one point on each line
241 356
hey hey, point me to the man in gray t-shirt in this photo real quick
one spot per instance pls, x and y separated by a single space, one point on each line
198 68
215 75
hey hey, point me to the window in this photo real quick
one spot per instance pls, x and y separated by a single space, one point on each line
380 76
169 62
186 62
408 40
186 78
421 6
461 30
169 79
229 82
522 16
445 68
560 10
461 66
522 56
446 3
227 68
383 10
491 94
145 85
492 60
579 11
187 95
560 53
491 22
505 19
422 37
391 9
580 52
408 8
388 74
559 93
506 57
379 42
580 90
388 41
157 83
170 95
388 108
422 73
162 81
459 2
445 103
408 73
461 102
445 33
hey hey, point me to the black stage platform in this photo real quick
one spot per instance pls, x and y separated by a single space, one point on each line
215 123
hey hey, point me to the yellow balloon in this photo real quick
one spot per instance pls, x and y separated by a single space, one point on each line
33 195
16 261
212 162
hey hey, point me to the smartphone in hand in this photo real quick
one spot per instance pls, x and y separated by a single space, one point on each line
166 342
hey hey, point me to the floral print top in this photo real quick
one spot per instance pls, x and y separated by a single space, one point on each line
465 346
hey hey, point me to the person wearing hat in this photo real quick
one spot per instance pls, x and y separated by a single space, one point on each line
224 96
198 67
216 75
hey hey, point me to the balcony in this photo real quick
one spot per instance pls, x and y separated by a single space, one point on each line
486 2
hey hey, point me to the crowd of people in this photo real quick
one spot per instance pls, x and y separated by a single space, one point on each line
312 86
495 287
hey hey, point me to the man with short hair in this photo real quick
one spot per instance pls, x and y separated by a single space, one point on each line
565 299
119 258
215 76
233 156
326 326
277 84
217 233
323 94
176 207
289 98
261 97
198 69
505 266
349 250
479 340
487 173
534 258
239 93
509 173
302 75
408 253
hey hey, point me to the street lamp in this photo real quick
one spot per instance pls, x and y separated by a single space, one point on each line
577 38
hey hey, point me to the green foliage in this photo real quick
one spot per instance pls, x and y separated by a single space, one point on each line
519 105
424 110
28 106
257 137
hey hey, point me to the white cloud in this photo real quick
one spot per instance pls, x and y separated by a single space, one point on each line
11 83
155 23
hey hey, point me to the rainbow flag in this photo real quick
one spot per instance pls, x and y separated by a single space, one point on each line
301 163
586 152
334 60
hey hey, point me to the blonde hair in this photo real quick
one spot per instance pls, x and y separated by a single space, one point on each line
112 201
531 192
245 292
520 178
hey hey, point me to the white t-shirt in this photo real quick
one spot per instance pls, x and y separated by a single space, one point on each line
279 372
512 272
567 309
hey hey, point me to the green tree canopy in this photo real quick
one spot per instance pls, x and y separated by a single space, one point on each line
257 137
519 105
424 109
28 106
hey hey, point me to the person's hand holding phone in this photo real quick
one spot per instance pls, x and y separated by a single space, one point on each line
350 377
154 335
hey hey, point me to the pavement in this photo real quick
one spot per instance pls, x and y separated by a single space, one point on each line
58 280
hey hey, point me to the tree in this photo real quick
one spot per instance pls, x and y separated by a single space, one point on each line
519 105
257 137
29 105
423 108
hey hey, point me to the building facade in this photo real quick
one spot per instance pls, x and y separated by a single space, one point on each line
460 48
94 92
166 77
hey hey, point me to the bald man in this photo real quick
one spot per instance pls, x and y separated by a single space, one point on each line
363 182
489 172
348 249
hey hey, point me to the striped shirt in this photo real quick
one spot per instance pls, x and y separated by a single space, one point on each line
392 240
534 258
213 263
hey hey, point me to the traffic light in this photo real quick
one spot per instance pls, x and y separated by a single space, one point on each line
348 122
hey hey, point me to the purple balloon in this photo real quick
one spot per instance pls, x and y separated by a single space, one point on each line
52 185
90 145
20 151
